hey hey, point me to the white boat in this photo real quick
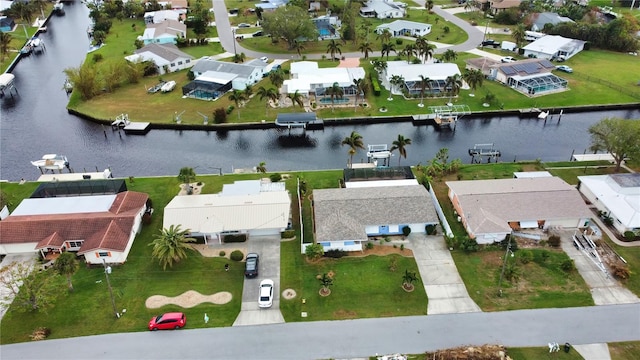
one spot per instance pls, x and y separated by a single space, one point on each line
169 86
51 162
543 115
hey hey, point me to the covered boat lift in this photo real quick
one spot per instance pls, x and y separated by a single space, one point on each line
7 84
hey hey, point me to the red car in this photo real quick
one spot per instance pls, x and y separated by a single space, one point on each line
168 321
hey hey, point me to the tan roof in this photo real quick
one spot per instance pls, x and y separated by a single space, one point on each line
489 205
505 4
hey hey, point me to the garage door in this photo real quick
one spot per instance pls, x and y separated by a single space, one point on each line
529 224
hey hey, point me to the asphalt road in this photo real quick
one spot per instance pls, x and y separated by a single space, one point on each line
351 338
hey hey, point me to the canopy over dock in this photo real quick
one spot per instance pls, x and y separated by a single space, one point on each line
291 120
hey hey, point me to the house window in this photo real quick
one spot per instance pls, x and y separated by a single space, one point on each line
173 64
103 254
74 244
187 61
179 62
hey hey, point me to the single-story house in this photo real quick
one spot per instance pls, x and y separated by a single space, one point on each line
492 209
531 77
541 19
167 57
345 218
5 4
156 17
249 207
436 72
405 28
551 47
100 227
383 9
615 195
307 78
484 64
178 5
496 6
377 176
6 24
166 32
213 78
271 5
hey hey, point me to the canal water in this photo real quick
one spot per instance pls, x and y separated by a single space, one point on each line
36 123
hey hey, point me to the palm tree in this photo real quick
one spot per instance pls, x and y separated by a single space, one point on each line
325 281
361 87
5 43
400 144
387 48
365 48
171 246
239 58
384 36
429 5
469 5
187 175
355 142
407 280
379 66
453 83
332 48
474 78
298 47
364 27
449 55
335 91
296 99
248 91
277 78
424 49
271 94
396 81
518 34
425 82
66 265
237 96
262 167
409 50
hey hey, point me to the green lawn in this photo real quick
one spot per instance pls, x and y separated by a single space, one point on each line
541 353
625 350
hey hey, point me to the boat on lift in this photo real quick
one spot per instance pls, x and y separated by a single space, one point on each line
51 162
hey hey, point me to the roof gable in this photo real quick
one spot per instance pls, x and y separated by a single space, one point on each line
169 52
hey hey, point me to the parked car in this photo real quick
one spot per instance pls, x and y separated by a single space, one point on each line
243 25
490 42
564 68
257 33
251 267
167 321
264 59
265 297
507 59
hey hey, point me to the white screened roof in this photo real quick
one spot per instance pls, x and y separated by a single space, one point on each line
531 174
65 205
623 201
412 72
307 76
300 85
251 187
403 24
217 77
551 44
303 66
380 183
213 213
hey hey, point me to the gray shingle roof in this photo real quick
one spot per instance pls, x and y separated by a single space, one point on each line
169 52
243 70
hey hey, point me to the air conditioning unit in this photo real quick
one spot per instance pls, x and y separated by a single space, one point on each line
459 219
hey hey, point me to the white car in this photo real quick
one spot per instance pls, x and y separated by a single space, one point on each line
265 295
264 59
507 59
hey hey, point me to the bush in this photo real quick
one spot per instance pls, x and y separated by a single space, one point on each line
469 245
314 251
525 256
401 247
567 265
230 109
222 253
629 235
335 253
40 333
275 177
234 238
398 41
369 245
431 229
541 257
554 241
97 58
375 84
406 231
288 234
219 116
236 255
621 271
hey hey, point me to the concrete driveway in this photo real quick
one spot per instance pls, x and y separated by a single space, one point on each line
446 292
605 290
268 248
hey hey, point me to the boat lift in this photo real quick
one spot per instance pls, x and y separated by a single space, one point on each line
448 115
480 151
378 155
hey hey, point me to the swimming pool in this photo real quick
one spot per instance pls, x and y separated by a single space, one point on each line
327 100
324 32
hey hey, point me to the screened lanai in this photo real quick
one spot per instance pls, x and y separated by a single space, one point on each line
537 84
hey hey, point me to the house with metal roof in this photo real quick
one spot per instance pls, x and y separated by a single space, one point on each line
541 19
167 31
271 5
436 72
617 196
214 78
404 28
251 207
552 47
307 78
383 9
166 57
156 17
100 227
492 209
345 218
531 77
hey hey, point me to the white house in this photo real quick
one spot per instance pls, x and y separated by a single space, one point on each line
436 72
551 47
249 207
531 77
405 28
214 78
617 196
271 5
345 218
383 9
491 209
307 78
156 17
100 227
167 57
165 32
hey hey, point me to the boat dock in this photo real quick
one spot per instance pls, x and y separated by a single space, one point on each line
529 111
106 174
444 116
137 128
480 151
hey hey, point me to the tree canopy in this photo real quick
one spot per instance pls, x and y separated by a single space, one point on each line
619 137
288 23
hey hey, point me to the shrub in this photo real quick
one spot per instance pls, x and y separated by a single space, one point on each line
469 245
222 253
97 58
230 109
236 255
234 238
398 41
369 245
219 116
629 235
375 85
386 238
554 241
431 229
567 265
288 234
406 231
525 256
401 247
621 271
40 333
314 251
275 177
335 253
541 257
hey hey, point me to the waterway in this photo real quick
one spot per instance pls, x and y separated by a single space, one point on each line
36 123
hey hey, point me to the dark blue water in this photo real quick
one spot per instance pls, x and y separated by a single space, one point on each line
37 123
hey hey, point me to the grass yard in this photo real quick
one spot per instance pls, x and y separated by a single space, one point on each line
541 353
625 350
570 174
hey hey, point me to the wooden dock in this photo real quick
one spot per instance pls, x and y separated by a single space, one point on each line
528 111
137 128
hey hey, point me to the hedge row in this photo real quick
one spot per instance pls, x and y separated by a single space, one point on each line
374 84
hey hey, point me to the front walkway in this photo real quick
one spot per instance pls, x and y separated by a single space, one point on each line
445 289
